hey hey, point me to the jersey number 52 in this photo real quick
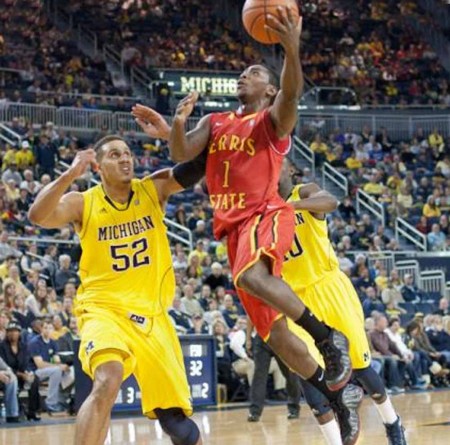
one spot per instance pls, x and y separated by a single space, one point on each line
124 260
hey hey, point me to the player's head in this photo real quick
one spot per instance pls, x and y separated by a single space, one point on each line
114 159
285 183
257 83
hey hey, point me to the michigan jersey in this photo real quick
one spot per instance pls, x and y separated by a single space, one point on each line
126 263
311 256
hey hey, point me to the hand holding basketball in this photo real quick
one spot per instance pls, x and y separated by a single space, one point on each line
287 27
256 18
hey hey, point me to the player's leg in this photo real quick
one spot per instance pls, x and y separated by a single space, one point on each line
180 428
106 358
294 352
259 253
94 415
261 357
293 389
374 386
161 376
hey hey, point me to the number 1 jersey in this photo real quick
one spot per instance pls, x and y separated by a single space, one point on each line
126 262
243 167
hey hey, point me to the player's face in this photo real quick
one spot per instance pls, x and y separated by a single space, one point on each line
253 84
116 164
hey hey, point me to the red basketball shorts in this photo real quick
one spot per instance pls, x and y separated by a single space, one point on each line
269 234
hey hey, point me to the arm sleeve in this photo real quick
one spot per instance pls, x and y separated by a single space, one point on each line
189 173
237 344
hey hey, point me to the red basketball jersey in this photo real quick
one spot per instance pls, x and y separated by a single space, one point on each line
243 167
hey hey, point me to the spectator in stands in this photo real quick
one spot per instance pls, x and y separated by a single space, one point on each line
320 149
180 261
242 364
410 292
181 320
5 318
21 313
65 342
223 353
189 304
38 303
46 156
391 354
430 209
29 183
15 354
58 328
391 297
10 260
46 364
205 296
11 173
199 325
443 307
217 277
24 157
231 311
371 302
347 209
439 339
64 274
436 239
67 308
5 247
435 140
8 383
393 332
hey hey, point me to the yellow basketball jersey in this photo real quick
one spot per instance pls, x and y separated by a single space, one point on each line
126 262
312 256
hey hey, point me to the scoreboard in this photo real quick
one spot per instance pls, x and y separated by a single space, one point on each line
201 369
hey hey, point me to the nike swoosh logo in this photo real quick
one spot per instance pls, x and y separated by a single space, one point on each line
321 377
218 124
269 207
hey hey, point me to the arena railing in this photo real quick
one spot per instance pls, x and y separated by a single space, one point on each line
9 136
405 230
408 267
173 226
432 281
335 179
387 259
398 126
370 204
302 155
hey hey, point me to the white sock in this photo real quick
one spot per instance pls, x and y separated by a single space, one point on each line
387 412
331 432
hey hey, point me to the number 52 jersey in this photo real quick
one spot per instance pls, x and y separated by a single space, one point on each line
126 263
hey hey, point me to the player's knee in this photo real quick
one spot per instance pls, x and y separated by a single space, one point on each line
107 381
319 404
181 429
371 382
252 280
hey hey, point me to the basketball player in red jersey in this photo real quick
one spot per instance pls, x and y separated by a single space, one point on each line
245 153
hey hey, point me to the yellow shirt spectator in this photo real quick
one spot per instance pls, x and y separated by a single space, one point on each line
9 157
373 188
24 157
353 163
319 147
431 211
221 252
435 140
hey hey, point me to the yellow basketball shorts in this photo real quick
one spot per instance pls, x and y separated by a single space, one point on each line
334 301
149 349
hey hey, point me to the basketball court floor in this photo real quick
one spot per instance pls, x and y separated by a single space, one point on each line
426 416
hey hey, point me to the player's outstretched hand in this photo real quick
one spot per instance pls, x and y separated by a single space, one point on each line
186 106
82 161
151 122
287 27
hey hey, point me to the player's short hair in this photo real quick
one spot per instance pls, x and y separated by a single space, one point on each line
105 140
274 79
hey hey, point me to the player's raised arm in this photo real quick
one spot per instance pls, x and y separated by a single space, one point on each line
315 200
284 109
186 146
53 208
184 175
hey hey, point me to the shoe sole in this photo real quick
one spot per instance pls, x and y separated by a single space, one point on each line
356 408
339 385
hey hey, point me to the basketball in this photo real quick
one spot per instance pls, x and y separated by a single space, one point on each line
254 15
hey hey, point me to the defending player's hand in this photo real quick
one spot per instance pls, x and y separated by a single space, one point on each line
186 106
151 122
287 27
82 161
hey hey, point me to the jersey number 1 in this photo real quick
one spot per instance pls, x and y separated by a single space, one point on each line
226 184
124 261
